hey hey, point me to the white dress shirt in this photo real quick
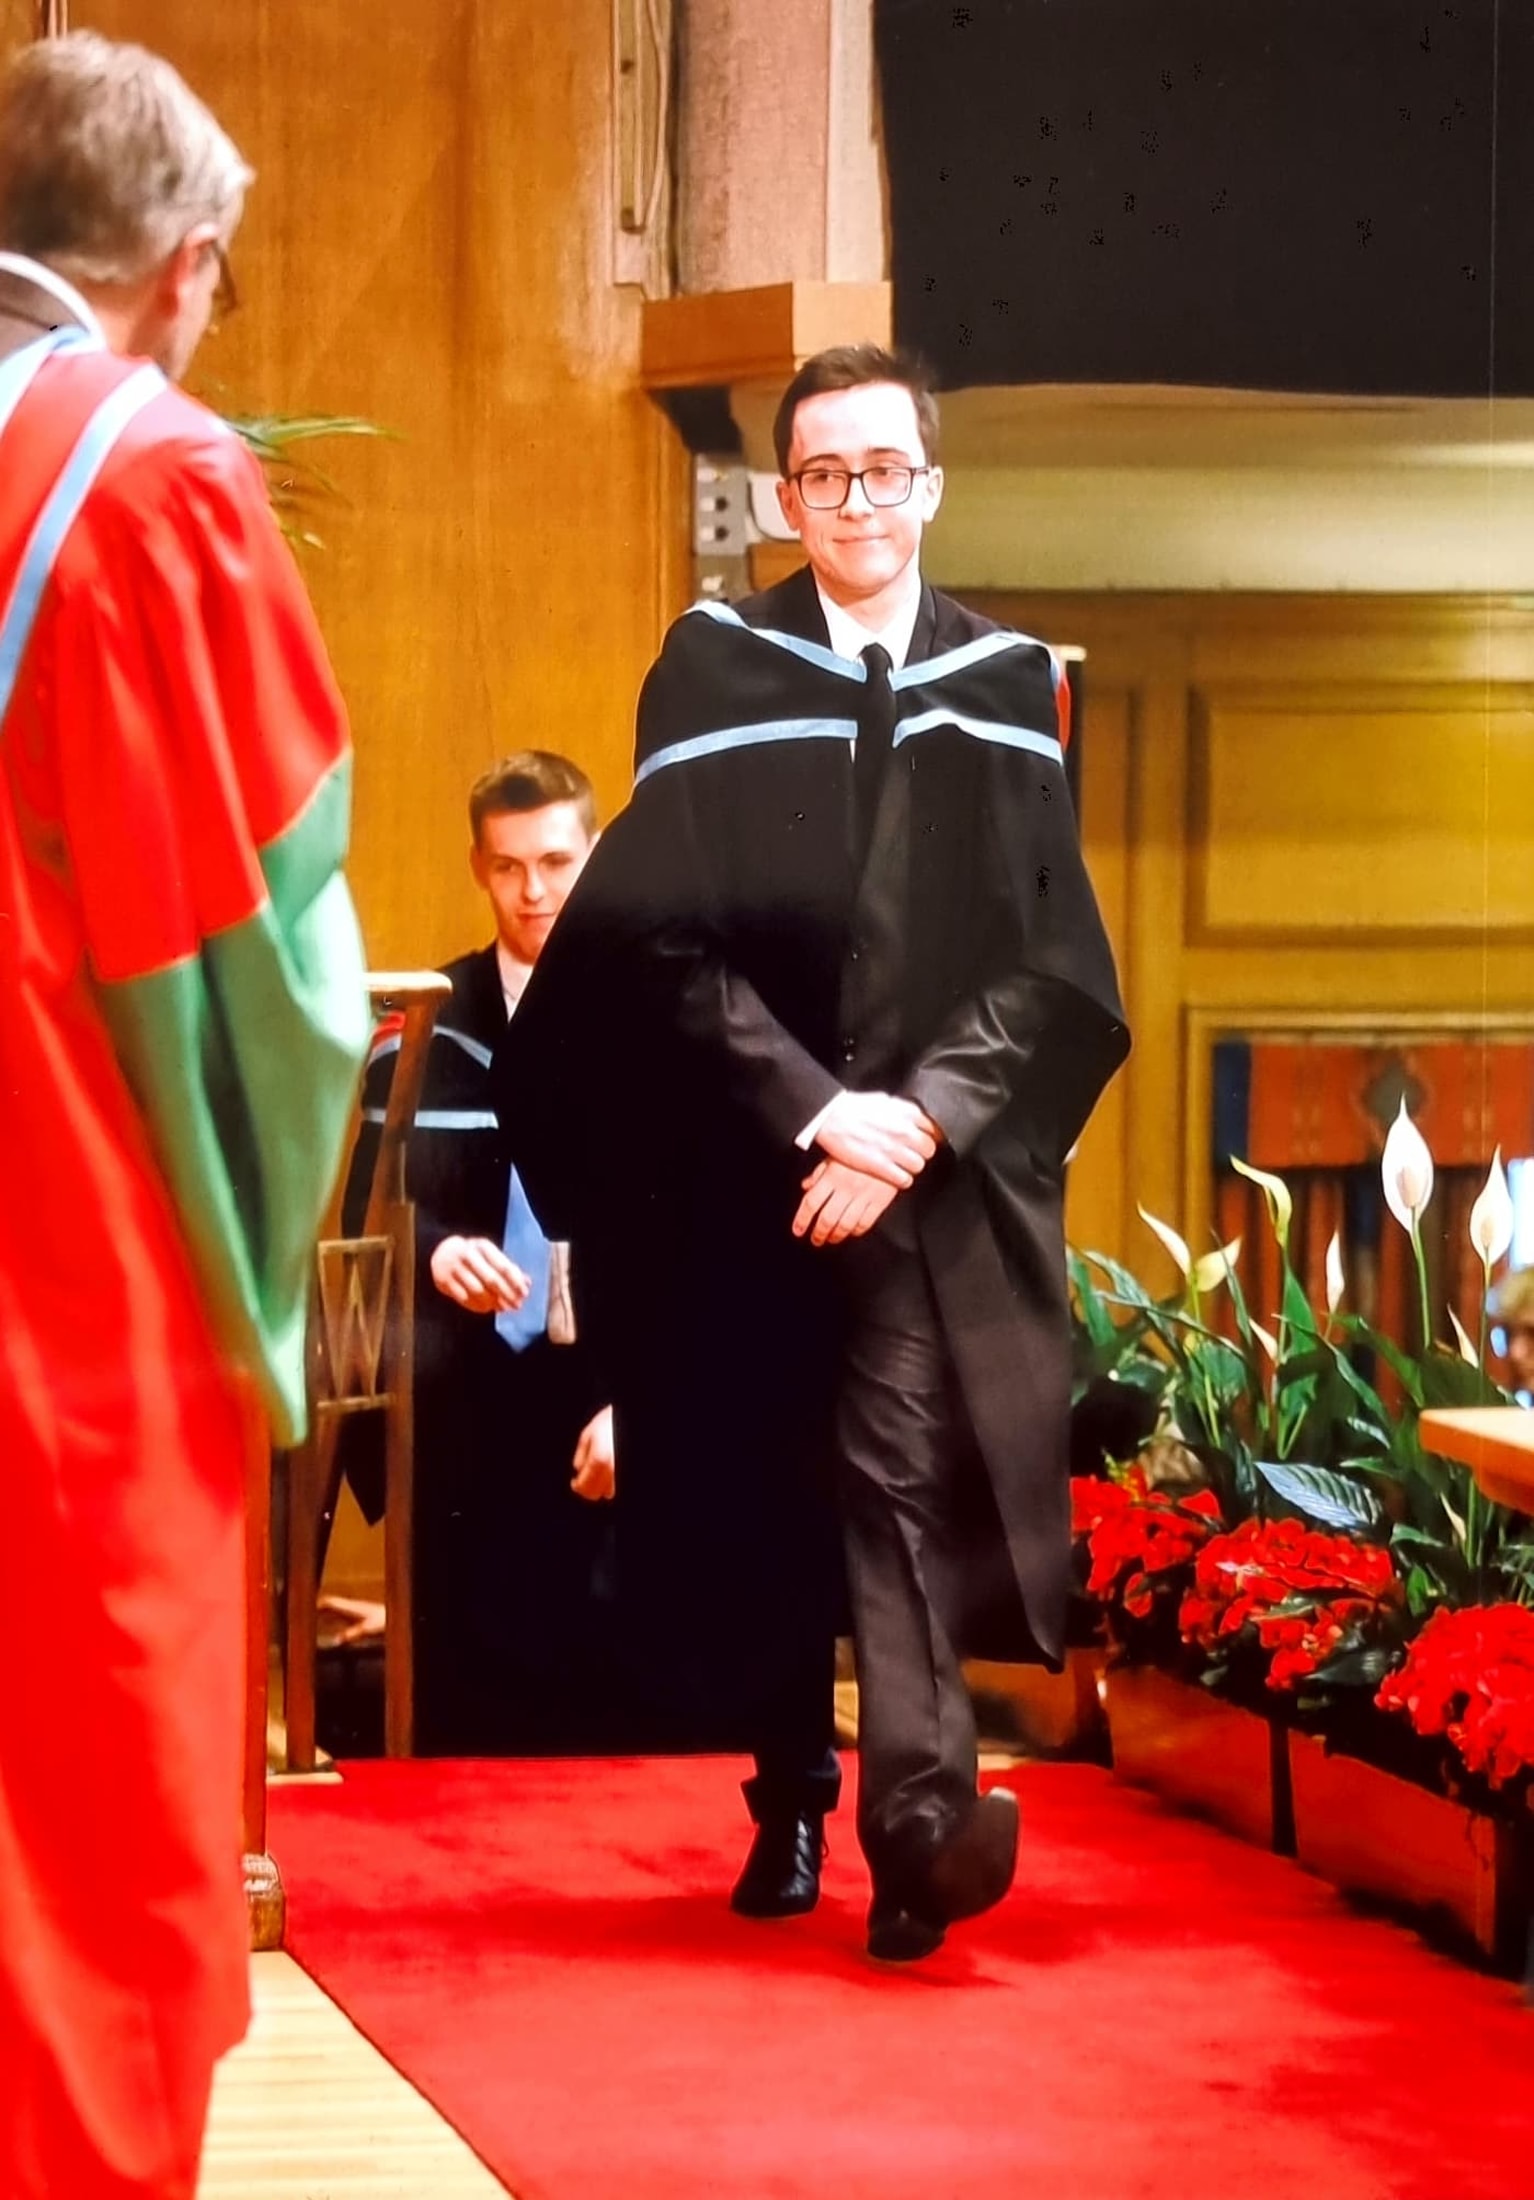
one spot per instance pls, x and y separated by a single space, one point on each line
849 638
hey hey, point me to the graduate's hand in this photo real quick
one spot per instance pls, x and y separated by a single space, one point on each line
840 1203
595 1473
878 1134
475 1273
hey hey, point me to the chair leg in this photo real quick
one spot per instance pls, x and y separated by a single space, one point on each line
301 1630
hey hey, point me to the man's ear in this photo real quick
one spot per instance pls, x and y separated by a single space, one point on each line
181 269
477 864
788 502
933 486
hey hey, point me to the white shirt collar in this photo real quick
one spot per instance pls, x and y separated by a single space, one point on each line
46 278
514 975
849 639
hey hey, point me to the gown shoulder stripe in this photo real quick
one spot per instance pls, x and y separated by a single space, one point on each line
728 738
812 653
982 729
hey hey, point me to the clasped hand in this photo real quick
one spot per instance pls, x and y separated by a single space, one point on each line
876 1145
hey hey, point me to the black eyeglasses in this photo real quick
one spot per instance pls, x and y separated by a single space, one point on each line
226 297
827 488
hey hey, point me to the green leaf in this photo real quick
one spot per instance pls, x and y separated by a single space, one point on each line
1357 1668
1332 1499
1421 1591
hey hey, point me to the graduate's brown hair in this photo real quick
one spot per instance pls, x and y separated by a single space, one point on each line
849 367
531 779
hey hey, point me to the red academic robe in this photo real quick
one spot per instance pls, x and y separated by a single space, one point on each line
181 1017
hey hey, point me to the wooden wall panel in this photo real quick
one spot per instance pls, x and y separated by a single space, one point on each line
1319 811
1302 812
429 244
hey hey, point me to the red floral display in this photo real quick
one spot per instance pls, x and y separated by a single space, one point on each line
1136 1534
1470 1675
1303 1594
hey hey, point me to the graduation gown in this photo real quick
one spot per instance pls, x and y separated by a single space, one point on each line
730 958
513 1570
182 1015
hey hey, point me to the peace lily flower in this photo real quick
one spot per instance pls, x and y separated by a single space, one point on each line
1491 1218
1268 1342
1212 1269
1280 1205
1175 1244
1467 1350
1206 1273
1407 1170
1336 1282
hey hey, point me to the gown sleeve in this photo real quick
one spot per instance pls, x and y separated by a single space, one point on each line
1036 1040
205 788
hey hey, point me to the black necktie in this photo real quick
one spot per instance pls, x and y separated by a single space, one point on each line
876 728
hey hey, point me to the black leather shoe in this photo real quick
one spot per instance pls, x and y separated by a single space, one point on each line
973 1868
782 1874
897 1935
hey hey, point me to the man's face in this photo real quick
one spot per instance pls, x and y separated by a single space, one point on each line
527 861
1520 1352
863 548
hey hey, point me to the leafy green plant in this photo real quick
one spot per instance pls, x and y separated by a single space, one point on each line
1286 1425
295 482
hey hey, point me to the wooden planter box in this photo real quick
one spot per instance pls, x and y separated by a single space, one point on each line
1449 1868
1047 1714
1203 1754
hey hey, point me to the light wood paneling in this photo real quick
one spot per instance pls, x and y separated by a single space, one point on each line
758 335
429 243
305 2109
1329 818
1319 811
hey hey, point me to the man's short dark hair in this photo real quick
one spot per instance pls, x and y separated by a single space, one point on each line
530 780
850 367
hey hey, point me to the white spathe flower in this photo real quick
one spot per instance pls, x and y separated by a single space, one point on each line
1210 1270
1336 1281
1175 1245
1491 1218
1406 1169
1280 1204
1467 1350
1268 1342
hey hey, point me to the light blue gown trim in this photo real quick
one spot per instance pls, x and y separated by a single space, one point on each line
748 737
471 1047
59 514
983 729
813 653
956 660
443 1119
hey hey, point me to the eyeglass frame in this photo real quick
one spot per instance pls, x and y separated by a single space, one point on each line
885 466
226 295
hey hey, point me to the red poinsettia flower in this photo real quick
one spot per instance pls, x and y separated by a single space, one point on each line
1137 1535
1301 1593
1469 1675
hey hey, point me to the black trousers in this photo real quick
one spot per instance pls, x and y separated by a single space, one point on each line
903 1450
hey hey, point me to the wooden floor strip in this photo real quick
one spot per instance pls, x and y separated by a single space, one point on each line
306 2109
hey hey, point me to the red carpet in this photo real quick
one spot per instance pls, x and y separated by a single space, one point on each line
1157 2013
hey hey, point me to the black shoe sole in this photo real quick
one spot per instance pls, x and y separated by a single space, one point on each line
799 1906
904 1938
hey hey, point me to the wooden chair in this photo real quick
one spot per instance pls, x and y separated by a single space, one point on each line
361 1360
